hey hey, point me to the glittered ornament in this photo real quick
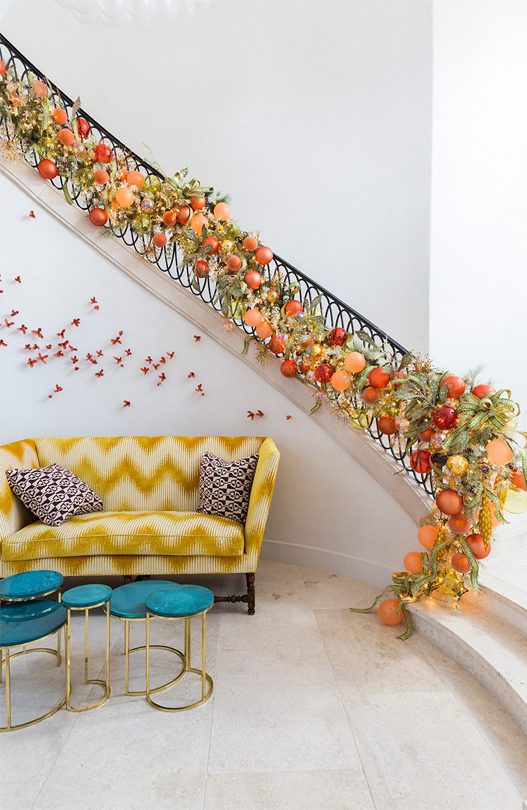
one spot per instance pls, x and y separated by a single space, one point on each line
152 183
288 368
420 461
390 612
457 465
485 518
338 336
227 246
449 502
103 153
323 373
445 417
142 223
47 169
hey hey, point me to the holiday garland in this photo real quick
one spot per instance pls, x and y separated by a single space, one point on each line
462 434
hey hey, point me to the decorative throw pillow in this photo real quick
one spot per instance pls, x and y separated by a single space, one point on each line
225 486
53 494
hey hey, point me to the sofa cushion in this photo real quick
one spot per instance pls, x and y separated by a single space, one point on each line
156 533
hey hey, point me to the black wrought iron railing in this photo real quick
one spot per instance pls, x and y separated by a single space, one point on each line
334 311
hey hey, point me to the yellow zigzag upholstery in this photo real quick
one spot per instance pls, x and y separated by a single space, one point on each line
149 487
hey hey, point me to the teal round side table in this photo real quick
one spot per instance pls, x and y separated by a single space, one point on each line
23 623
184 603
128 603
86 598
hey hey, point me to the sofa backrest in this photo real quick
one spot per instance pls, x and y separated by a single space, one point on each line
142 472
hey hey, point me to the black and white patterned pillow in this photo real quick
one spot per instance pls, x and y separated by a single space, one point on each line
53 493
225 486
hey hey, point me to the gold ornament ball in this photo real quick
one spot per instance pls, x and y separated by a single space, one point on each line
227 246
317 351
457 465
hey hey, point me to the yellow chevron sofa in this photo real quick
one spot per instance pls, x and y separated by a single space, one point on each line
149 488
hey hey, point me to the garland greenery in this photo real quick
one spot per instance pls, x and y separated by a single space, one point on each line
463 434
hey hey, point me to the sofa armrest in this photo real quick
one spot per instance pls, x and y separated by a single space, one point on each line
13 513
260 500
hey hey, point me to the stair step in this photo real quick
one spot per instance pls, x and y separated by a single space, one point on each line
492 648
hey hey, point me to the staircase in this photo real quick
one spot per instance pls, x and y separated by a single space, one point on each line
488 635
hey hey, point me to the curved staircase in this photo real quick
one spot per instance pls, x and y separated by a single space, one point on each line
488 634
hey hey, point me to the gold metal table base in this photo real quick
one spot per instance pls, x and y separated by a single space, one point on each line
129 650
207 684
7 661
96 681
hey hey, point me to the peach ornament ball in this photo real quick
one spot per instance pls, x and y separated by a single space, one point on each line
389 612
354 362
124 197
499 452
263 330
413 562
135 179
222 211
427 536
198 222
253 317
340 381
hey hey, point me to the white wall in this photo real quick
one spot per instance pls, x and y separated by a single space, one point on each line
478 282
323 500
314 115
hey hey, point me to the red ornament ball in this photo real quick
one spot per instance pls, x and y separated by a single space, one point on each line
66 137
253 279
387 425
169 218
445 417
250 243
183 215
276 344
288 368
98 216
477 546
455 385
211 245
47 169
160 239
233 263
481 391
83 128
293 308
103 153
370 395
449 502
201 268
263 255
390 613
338 336
420 461
197 203
378 377
323 373
59 115
426 434
460 563
2 68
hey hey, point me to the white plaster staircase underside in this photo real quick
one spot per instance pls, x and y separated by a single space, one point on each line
489 636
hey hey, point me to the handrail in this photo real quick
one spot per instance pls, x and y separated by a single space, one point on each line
334 311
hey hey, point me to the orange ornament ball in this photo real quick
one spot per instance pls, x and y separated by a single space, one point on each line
264 330
101 177
40 89
250 243
199 221
340 381
370 395
449 502
354 362
183 215
276 344
211 244
135 179
2 68
387 425
253 279
47 169
160 239
98 216
427 536
426 434
59 115
253 317
233 263
499 452
390 613
476 544
293 308
481 391
378 377
66 137
413 562
459 524
201 268
124 197
197 203
288 368
222 211
169 218
455 385
460 562
263 255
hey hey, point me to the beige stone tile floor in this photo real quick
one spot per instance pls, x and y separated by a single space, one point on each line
314 708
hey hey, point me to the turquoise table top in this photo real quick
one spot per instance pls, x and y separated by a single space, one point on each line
128 601
30 585
85 596
186 600
21 624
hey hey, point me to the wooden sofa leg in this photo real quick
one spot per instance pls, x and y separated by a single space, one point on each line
251 594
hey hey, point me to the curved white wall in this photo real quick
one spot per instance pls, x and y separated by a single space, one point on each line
327 511
315 116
